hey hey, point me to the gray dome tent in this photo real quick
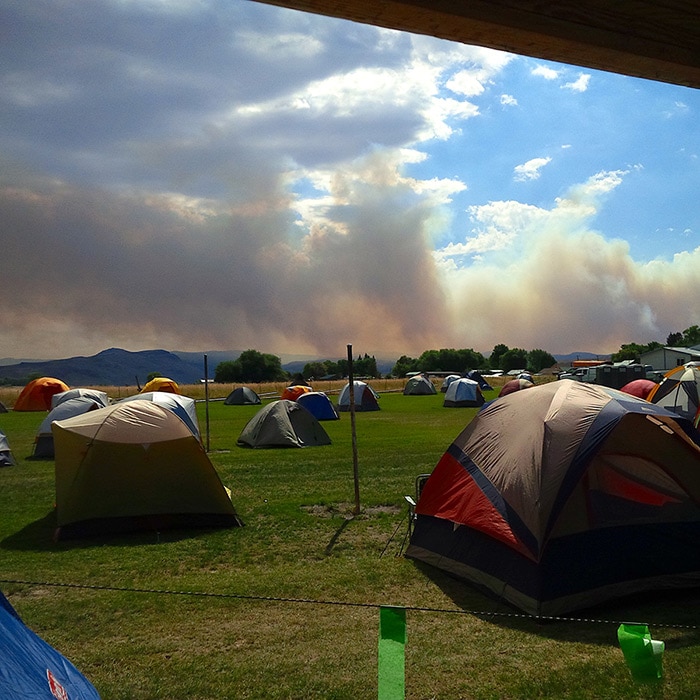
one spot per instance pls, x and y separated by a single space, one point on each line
242 396
419 385
283 423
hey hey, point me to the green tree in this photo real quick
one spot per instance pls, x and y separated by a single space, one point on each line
539 359
674 340
365 366
496 354
404 365
251 366
515 358
152 375
451 360
314 369
633 351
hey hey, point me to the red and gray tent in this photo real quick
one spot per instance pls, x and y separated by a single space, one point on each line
564 496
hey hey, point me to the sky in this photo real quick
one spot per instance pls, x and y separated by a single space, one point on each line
204 175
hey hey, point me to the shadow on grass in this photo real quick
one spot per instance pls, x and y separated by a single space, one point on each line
671 615
38 536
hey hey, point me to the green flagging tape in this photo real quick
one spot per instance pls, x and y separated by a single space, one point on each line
392 643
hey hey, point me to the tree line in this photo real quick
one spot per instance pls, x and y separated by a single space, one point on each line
254 366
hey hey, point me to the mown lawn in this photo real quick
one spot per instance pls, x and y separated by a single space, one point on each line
287 606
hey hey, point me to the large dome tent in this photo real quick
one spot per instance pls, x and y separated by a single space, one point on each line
565 496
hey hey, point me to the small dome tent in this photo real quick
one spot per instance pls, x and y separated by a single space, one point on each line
292 393
182 406
366 399
99 397
283 423
641 388
515 385
6 457
43 442
554 498
319 405
161 384
419 385
447 381
242 396
131 466
479 378
679 390
31 668
464 393
36 395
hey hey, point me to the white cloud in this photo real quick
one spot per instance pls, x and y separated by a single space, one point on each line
508 101
578 85
545 72
531 169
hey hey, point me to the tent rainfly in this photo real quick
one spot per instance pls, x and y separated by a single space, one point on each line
679 390
43 441
564 496
99 397
6 457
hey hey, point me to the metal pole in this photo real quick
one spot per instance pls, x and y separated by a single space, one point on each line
355 470
206 395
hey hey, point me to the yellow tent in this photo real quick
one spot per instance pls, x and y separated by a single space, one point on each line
161 384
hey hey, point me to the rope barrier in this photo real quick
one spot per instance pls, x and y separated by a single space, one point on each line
311 601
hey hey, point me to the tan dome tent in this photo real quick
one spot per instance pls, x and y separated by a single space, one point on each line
283 423
133 466
565 496
182 406
36 396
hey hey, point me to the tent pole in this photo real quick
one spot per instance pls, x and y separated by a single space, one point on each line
206 395
355 470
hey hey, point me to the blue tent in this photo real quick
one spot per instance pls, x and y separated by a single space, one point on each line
319 405
32 669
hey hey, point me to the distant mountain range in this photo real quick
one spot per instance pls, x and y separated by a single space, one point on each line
116 367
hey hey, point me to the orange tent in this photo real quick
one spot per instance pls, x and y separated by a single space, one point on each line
36 396
292 393
161 384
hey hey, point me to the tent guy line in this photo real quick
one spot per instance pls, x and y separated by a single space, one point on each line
343 603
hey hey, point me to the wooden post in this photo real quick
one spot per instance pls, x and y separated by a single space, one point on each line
355 470
206 396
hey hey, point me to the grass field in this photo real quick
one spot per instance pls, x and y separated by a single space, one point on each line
287 606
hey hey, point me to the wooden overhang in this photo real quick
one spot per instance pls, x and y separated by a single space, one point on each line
654 39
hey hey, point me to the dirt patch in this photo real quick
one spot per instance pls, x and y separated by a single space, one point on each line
346 510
